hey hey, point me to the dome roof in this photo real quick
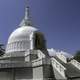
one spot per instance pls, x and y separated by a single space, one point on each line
20 39
21 33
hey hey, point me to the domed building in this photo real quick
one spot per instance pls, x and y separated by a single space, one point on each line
27 57
24 38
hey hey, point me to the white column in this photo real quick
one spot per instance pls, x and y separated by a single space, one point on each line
31 41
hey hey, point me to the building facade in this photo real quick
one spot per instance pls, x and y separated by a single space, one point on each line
27 57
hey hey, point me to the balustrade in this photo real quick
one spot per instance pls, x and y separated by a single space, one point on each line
60 68
75 63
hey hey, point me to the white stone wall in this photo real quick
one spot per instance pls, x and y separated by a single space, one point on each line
59 68
61 56
6 76
38 73
75 63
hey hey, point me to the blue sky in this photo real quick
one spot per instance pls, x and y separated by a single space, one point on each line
59 20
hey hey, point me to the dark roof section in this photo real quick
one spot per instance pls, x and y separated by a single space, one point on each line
71 71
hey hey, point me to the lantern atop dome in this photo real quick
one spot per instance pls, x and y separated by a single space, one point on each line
27 19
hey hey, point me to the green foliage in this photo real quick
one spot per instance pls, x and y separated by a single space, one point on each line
77 56
2 51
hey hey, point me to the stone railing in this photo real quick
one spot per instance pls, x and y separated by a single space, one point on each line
60 68
15 65
40 54
61 57
75 63
37 62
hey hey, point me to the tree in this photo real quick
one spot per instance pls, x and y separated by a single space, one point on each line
77 56
2 50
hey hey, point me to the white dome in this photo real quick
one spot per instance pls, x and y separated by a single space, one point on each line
20 39
21 33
